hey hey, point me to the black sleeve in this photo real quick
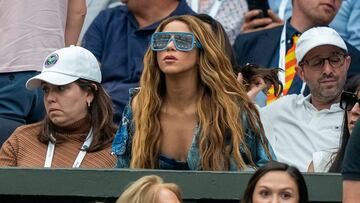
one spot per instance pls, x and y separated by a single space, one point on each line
351 164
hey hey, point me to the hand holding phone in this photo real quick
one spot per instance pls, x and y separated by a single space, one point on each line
257 19
263 5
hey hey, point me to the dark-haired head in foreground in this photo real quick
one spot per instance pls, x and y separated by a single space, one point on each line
276 180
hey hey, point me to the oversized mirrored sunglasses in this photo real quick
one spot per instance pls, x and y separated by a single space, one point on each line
335 60
348 100
183 41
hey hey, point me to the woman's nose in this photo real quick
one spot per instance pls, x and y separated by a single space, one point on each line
171 45
50 96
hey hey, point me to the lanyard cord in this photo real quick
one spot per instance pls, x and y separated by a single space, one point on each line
80 157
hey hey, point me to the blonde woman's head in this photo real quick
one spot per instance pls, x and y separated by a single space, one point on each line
151 189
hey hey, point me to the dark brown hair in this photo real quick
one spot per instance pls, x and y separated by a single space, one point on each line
251 72
222 38
276 166
352 85
100 117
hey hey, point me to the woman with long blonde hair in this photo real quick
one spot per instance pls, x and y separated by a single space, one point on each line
190 112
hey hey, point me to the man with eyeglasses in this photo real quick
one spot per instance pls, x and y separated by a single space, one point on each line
270 47
297 126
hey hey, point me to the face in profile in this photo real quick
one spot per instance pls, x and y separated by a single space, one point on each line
276 187
167 196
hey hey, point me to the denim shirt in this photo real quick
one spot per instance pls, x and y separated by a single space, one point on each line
123 140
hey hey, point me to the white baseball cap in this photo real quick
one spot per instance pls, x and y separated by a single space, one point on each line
315 37
67 65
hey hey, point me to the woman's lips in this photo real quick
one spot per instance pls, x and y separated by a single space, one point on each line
170 58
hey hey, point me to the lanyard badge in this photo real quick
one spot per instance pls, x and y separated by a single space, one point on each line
80 157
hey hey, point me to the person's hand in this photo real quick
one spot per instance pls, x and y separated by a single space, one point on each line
255 87
251 23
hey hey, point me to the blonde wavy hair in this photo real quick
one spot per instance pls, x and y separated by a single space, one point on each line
221 107
147 189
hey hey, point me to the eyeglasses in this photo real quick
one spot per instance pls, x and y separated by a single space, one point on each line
183 41
317 63
348 100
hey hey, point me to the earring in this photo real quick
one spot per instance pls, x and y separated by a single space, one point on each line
88 104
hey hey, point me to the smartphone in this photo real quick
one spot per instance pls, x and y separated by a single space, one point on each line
259 4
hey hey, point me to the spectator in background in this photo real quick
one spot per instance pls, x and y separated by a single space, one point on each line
254 20
78 117
151 189
76 11
119 37
94 7
351 167
28 33
328 161
269 47
345 22
276 182
298 126
229 13
189 113
282 8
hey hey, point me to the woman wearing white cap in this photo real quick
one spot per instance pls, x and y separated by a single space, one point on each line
77 130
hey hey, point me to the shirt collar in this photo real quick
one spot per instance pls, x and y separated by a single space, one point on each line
290 30
306 101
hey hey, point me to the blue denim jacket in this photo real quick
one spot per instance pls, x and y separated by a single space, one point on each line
123 140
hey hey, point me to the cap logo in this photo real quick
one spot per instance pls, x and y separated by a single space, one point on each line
51 60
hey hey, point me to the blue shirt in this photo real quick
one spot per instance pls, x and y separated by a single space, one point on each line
119 45
123 139
346 21
275 5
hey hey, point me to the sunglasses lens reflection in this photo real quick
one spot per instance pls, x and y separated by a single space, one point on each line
160 41
183 41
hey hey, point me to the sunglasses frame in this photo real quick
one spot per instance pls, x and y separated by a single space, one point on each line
345 103
172 38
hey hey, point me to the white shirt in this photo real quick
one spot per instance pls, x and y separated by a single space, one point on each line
322 160
296 129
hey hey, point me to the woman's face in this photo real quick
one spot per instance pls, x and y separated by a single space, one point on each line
167 196
65 104
353 114
172 61
276 187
